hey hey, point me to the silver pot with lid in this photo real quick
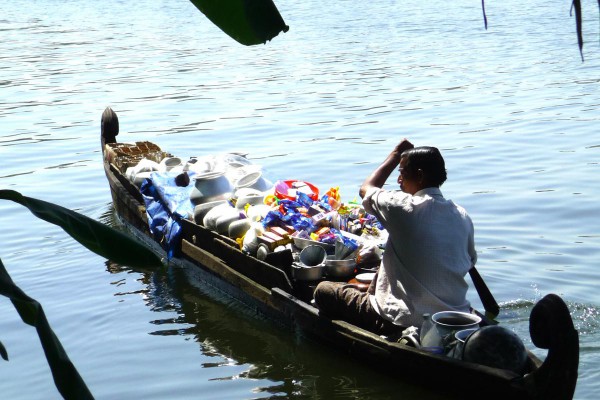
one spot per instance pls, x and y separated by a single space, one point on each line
211 186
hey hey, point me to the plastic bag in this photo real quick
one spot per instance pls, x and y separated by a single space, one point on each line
250 240
369 254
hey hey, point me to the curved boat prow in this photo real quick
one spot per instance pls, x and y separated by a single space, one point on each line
109 126
551 327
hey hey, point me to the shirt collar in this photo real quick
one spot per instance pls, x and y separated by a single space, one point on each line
431 191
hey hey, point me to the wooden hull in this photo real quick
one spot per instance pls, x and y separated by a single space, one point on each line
208 257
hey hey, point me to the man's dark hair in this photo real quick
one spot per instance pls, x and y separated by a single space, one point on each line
430 161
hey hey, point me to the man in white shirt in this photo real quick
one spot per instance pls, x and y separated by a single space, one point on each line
429 250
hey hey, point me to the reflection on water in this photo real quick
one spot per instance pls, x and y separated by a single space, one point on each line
230 334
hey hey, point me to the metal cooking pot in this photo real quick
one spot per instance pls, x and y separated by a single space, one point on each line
303 273
445 324
452 321
254 179
460 336
211 186
312 256
202 209
340 268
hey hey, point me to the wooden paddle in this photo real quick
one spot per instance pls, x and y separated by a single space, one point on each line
489 303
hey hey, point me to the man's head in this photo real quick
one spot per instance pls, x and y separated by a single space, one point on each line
420 168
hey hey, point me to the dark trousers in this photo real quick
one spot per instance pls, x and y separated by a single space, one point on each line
343 301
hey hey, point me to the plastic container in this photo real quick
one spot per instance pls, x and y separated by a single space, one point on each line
288 189
250 242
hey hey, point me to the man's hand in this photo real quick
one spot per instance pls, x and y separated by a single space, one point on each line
403 146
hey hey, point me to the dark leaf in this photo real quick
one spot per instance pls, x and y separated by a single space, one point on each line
247 21
95 236
66 378
3 352
484 15
578 22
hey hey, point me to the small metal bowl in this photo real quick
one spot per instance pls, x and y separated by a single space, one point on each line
312 256
303 273
340 268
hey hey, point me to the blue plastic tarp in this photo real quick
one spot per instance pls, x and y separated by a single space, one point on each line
166 204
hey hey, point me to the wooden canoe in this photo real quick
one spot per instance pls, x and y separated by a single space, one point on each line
268 287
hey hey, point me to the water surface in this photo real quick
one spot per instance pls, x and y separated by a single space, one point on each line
513 109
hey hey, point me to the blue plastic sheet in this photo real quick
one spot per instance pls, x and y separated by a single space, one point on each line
166 204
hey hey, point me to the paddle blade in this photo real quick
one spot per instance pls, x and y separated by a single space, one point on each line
487 299
249 22
95 236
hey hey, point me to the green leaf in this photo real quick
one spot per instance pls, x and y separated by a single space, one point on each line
249 22
66 378
95 236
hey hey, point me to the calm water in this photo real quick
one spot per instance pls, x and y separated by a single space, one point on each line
513 109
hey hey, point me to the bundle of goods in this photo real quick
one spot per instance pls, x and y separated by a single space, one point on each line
232 196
